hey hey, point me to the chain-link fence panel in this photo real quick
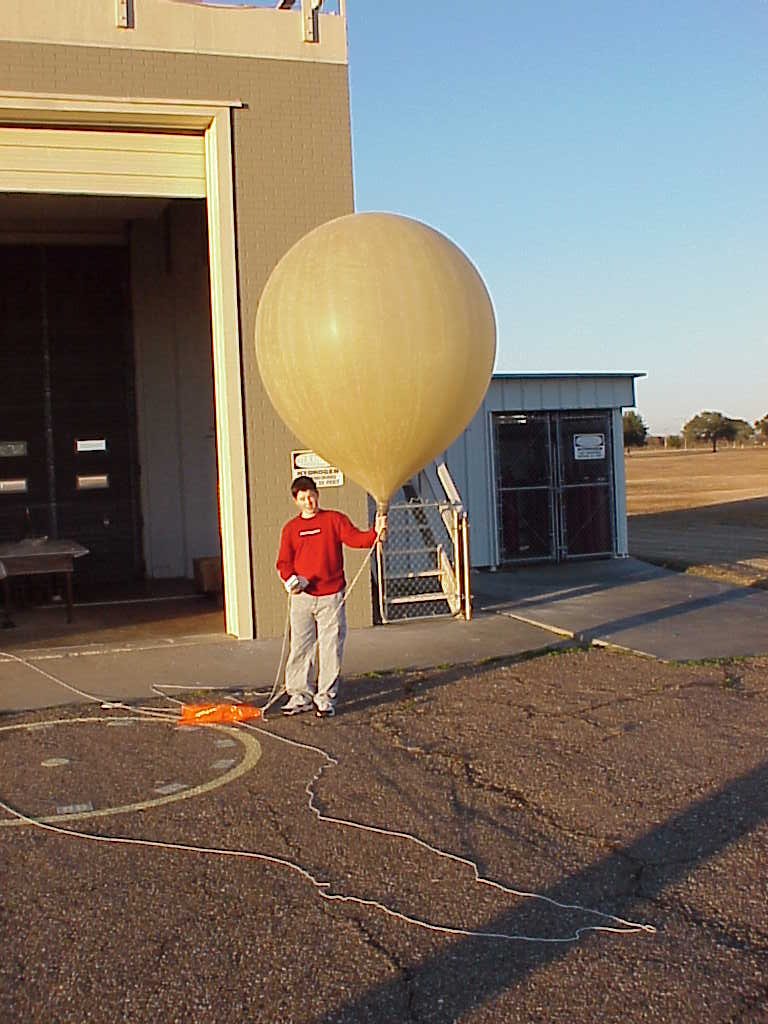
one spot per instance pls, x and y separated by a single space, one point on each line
417 566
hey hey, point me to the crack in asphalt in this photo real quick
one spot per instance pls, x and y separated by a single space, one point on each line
616 701
405 975
730 684
443 763
721 934
276 821
756 1002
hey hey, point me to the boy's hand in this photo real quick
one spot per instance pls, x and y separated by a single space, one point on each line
381 526
294 584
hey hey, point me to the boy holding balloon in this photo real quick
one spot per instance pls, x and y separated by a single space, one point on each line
310 563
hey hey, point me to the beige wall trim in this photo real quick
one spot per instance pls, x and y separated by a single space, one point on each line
227 376
179 115
214 123
159 25
110 101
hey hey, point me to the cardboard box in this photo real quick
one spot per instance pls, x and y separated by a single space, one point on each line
208 575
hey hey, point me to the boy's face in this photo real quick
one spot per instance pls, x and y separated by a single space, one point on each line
308 503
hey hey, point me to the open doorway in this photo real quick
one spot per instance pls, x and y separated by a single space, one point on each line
68 420
108 430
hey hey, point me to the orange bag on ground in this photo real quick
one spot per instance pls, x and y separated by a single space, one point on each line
218 714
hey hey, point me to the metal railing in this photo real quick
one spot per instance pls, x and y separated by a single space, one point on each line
126 9
422 571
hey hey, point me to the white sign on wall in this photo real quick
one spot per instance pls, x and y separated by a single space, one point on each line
588 446
308 463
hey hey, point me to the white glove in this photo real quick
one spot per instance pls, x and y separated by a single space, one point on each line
294 584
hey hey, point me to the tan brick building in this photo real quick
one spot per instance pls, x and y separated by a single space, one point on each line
157 158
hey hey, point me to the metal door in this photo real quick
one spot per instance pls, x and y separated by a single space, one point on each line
585 484
23 477
525 487
67 358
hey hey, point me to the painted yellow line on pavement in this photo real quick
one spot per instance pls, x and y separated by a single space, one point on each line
251 754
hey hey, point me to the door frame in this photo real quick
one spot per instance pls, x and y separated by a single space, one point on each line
212 120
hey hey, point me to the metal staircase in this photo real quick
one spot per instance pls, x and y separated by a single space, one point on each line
423 568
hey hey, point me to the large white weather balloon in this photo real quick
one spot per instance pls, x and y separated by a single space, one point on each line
376 337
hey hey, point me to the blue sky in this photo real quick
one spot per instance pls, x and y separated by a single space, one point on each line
603 164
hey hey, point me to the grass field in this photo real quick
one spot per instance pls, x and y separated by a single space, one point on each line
701 512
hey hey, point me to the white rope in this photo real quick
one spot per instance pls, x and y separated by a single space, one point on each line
106 702
278 690
320 885
621 925
330 761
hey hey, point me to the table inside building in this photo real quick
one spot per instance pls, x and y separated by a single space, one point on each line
38 557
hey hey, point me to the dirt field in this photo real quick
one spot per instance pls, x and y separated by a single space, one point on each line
664 480
701 512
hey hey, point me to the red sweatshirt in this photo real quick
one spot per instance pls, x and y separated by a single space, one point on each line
313 548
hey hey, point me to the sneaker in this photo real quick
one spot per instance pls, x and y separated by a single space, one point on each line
296 705
326 712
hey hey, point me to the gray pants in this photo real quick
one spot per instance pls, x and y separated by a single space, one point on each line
316 622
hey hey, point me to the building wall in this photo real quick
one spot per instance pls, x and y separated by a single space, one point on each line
293 171
567 391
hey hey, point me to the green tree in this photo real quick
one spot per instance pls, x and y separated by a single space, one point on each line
635 431
674 441
711 427
744 432
761 428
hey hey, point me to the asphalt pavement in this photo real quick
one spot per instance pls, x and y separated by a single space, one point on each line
597 785
617 802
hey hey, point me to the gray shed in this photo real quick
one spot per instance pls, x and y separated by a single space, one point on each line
540 468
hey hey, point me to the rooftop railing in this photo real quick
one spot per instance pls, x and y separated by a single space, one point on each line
310 10
258 28
324 6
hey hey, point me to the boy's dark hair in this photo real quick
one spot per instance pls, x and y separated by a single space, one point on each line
302 483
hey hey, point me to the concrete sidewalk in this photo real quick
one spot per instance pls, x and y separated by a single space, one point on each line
623 602
128 672
632 604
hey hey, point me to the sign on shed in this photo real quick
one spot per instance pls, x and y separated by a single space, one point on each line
589 446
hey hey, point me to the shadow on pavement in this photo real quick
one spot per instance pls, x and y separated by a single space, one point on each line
648 618
646 608
376 689
531 586
471 972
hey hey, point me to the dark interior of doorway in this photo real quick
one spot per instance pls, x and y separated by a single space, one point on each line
169 614
70 410
69 439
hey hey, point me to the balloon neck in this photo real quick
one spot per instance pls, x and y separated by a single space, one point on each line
382 507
